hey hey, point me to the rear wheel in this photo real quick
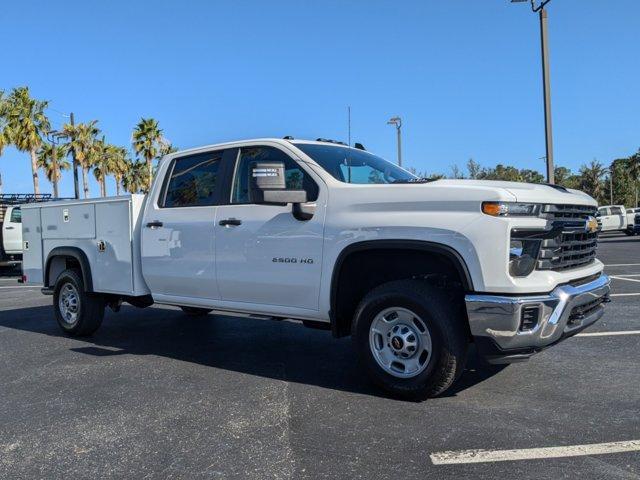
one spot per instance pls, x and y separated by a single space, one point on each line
411 338
196 312
77 312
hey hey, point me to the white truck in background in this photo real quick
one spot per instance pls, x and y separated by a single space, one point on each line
339 239
617 218
11 225
11 240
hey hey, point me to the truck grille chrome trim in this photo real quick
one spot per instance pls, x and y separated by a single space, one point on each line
563 312
572 246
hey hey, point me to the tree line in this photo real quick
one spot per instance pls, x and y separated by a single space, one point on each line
24 124
616 184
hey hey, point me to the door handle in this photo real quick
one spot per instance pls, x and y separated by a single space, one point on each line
9 228
154 224
230 222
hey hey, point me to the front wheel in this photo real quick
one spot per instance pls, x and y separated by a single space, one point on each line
411 338
78 312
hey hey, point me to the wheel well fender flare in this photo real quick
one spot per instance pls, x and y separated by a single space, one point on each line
438 248
75 253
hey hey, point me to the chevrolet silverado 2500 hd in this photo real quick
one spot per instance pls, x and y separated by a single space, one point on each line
337 238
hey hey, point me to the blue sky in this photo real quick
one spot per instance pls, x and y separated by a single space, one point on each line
463 74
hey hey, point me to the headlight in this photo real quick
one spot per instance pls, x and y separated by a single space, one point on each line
511 209
523 254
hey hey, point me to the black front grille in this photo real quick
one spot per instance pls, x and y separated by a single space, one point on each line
569 245
529 317
568 212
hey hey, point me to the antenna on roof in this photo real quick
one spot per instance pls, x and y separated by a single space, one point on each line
349 125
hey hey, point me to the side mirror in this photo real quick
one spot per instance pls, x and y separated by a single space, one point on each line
268 185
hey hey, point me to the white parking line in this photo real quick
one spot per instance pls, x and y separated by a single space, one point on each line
481 456
624 294
20 286
623 278
606 334
623 265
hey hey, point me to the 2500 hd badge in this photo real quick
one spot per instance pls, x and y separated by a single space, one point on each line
308 261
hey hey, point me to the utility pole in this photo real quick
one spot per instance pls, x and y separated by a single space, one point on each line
397 121
548 132
546 84
75 161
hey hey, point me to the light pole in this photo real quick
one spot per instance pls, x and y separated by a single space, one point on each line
397 121
546 85
610 172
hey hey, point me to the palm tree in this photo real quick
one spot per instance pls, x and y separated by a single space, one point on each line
101 163
120 165
26 122
82 138
633 167
591 179
148 143
3 131
134 180
53 165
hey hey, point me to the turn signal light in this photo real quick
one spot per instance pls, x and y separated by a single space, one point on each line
492 208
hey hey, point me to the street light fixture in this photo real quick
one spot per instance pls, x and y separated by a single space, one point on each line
397 121
546 85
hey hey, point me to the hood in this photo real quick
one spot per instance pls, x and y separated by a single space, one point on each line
530 192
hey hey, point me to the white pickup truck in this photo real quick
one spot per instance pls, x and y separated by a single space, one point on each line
617 218
337 238
11 237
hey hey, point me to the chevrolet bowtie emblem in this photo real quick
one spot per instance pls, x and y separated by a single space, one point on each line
591 225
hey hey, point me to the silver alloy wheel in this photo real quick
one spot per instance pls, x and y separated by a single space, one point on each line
69 303
400 342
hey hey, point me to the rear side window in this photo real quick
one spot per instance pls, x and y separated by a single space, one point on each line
616 211
16 216
295 177
193 181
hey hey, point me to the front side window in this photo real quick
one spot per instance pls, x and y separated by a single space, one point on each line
193 180
16 216
295 177
351 165
616 211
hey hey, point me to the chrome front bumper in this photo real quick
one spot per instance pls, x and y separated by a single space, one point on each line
495 321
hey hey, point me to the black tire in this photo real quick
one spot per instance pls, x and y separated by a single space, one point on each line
443 317
196 312
90 307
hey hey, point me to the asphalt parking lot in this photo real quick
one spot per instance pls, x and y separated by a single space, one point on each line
155 394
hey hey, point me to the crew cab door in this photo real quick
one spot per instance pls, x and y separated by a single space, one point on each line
178 231
608 222
618 218
12 230
264 254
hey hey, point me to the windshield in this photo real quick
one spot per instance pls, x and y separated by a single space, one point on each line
351 165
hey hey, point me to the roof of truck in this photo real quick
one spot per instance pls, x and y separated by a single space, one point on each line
282 141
